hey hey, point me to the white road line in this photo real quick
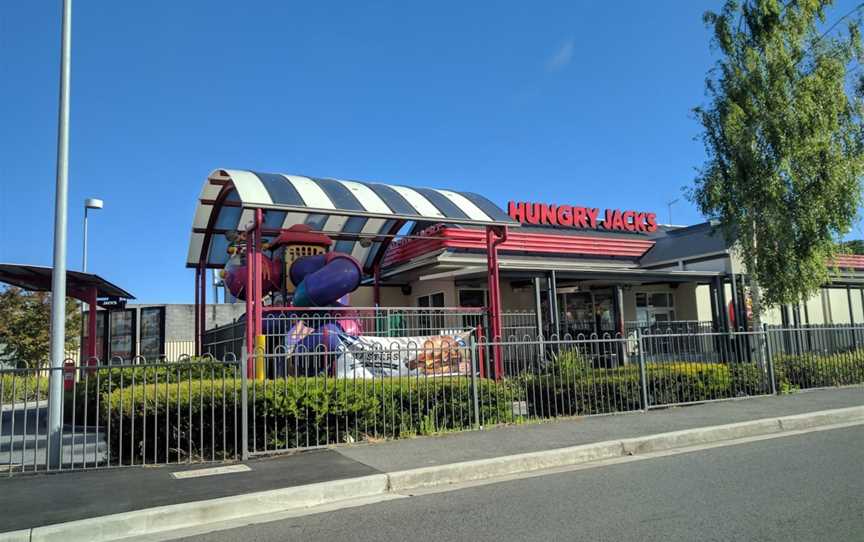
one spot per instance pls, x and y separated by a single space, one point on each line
212 471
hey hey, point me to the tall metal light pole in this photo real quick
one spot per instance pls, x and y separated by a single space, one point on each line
58 280
89 203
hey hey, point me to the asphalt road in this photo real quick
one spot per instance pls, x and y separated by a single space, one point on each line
805 487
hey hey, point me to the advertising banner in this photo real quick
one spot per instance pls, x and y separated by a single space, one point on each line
373 357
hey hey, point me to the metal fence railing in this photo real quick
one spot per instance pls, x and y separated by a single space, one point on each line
298 394
685 368
670 326
171 350
816 356
121 414
367 389
283 326
519 324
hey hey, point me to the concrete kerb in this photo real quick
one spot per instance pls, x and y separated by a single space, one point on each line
16 536
702 435
825 417
178 516
482 469
172 517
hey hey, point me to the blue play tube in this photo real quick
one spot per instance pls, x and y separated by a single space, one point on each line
304 266
322 288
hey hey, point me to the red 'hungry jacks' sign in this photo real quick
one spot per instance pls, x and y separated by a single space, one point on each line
569 216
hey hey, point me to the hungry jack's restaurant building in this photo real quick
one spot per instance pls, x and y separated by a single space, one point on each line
557 268
589 270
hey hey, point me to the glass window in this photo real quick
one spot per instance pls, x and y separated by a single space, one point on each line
121 322
603 311
101 322
121 329
472 298
655 308
433 300
430 321
578 312
152 332
654 299
663 299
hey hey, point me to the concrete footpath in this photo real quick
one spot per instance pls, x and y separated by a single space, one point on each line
125 502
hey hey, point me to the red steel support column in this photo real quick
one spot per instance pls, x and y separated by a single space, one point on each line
492 242
259 278
247 290
203 307
197 314
91 325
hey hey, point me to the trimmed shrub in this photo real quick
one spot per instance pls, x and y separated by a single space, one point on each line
580 393
572 389
93 386
21 386
570 361
819 370
175 421
182 413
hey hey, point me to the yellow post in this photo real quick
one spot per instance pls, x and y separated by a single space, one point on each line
260 345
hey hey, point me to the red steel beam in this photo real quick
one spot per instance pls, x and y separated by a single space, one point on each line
92 301
259 277
202 308
495 236
197 314
522 242
247 289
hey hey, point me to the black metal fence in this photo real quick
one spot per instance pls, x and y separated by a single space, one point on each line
284 329
121 414
297 394
816 356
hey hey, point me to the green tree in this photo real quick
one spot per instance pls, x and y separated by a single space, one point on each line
25 321
784 141
853 246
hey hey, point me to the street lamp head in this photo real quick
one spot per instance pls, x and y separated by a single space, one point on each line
93 203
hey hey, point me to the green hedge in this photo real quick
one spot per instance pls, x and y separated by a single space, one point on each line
20 386
570 388
301 412
106 379
815 371
190 403
288 413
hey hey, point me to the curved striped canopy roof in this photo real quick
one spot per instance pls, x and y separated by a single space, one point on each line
345 210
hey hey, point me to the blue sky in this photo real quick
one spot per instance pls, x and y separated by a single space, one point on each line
585 103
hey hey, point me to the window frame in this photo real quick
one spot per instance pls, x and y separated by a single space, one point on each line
485 292
161 330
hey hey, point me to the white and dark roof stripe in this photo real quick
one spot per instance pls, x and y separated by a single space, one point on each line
342 208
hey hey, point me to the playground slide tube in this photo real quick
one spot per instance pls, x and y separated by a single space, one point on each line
339 275
305 266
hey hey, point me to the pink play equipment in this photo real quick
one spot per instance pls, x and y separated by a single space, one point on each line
299 272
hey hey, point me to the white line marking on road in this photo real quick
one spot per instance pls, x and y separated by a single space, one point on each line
212 471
